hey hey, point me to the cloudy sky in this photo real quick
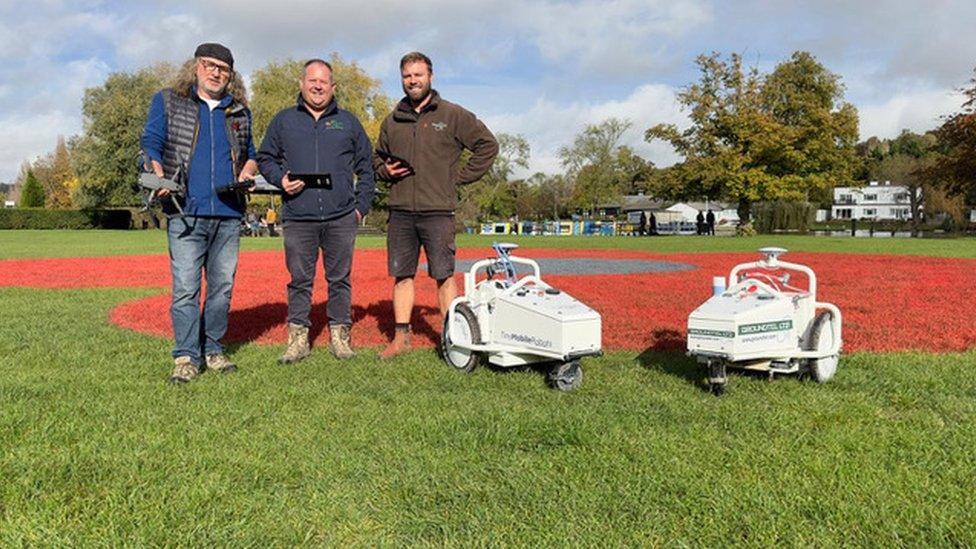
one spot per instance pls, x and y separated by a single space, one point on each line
543 69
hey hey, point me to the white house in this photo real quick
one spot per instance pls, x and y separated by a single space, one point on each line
876 201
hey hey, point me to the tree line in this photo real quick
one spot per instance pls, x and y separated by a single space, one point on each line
750 137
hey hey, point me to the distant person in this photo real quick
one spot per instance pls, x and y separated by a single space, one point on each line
202 128
252 224
642 224
653 223
700 222
270 219
316 137
431 134
710 222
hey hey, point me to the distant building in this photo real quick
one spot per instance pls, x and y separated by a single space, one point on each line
880 201
724 212
631 203
669 212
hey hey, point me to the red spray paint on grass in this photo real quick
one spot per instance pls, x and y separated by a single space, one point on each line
889 302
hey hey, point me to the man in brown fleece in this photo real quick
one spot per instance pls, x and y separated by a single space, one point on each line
430 134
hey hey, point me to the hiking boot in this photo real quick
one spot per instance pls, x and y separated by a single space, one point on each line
184 371
298 347
399 345
340 343
219 362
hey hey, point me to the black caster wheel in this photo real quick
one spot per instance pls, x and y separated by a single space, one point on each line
566 377
716 378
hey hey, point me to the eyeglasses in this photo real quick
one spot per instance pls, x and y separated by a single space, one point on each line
210 66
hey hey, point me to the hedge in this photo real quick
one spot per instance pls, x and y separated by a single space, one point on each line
40 218
783 215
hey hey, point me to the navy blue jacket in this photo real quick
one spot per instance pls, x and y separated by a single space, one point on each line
211 163
336 144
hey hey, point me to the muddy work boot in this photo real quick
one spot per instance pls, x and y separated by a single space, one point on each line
183 371
298 347
340 343
219 362
399 345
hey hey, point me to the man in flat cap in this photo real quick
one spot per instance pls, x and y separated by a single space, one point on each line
200 130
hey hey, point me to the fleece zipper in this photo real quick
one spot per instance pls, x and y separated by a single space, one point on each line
213 163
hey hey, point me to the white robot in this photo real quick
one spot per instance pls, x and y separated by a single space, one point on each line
515 320
763 323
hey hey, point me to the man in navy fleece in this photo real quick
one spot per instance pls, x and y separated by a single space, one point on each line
316 137
201 129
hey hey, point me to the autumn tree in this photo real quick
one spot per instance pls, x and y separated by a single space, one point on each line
818 130
751 137
275 87
57 177
955 166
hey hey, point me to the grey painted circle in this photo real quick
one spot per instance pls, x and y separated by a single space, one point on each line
590 266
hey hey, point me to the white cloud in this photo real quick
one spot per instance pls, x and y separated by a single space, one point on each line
142 41
547 126
918 111
609 37
541 68
26 137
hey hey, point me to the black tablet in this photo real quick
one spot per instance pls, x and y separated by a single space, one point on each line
387 157
313 180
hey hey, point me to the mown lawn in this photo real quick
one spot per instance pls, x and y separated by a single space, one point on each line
23 244
96 450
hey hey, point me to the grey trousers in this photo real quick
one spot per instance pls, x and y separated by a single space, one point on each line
303 240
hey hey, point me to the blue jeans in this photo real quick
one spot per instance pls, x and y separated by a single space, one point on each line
210 245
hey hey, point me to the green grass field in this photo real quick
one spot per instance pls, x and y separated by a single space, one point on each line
96 450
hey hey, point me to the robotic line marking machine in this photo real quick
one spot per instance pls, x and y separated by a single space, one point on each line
517 321
762 323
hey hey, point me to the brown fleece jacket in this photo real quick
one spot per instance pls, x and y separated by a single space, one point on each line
432 141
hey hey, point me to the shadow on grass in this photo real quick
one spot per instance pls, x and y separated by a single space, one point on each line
247 325
382 311
666 355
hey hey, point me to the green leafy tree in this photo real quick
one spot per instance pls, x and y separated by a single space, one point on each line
494 196
751 138
114 115
910 160
554 194
818 129
32 194
275 87
600 168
